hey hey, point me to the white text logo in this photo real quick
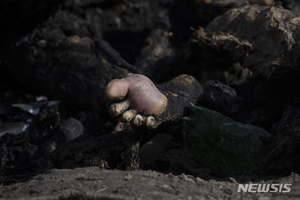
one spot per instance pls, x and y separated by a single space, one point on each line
261 187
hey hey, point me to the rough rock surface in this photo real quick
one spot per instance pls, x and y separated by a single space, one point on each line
94 183
263 39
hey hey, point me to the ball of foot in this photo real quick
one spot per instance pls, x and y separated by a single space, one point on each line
145 103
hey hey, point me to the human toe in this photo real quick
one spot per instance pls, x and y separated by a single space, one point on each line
129 115
118 108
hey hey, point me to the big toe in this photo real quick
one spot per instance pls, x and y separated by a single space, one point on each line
116 89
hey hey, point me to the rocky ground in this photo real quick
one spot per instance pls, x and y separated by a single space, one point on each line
94 183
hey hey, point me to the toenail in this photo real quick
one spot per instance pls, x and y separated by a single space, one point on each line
113 110
151 122
139 120
128 115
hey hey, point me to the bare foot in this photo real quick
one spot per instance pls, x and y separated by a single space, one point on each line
145 103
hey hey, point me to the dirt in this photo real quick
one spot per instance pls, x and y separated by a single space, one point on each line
94 183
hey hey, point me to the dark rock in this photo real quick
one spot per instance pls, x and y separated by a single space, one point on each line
71 129
45 124
261 38
291 5
221 97
117 150
284 148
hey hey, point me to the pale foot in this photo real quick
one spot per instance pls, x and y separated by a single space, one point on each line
145 103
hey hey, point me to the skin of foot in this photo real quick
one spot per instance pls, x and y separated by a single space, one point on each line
143 102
